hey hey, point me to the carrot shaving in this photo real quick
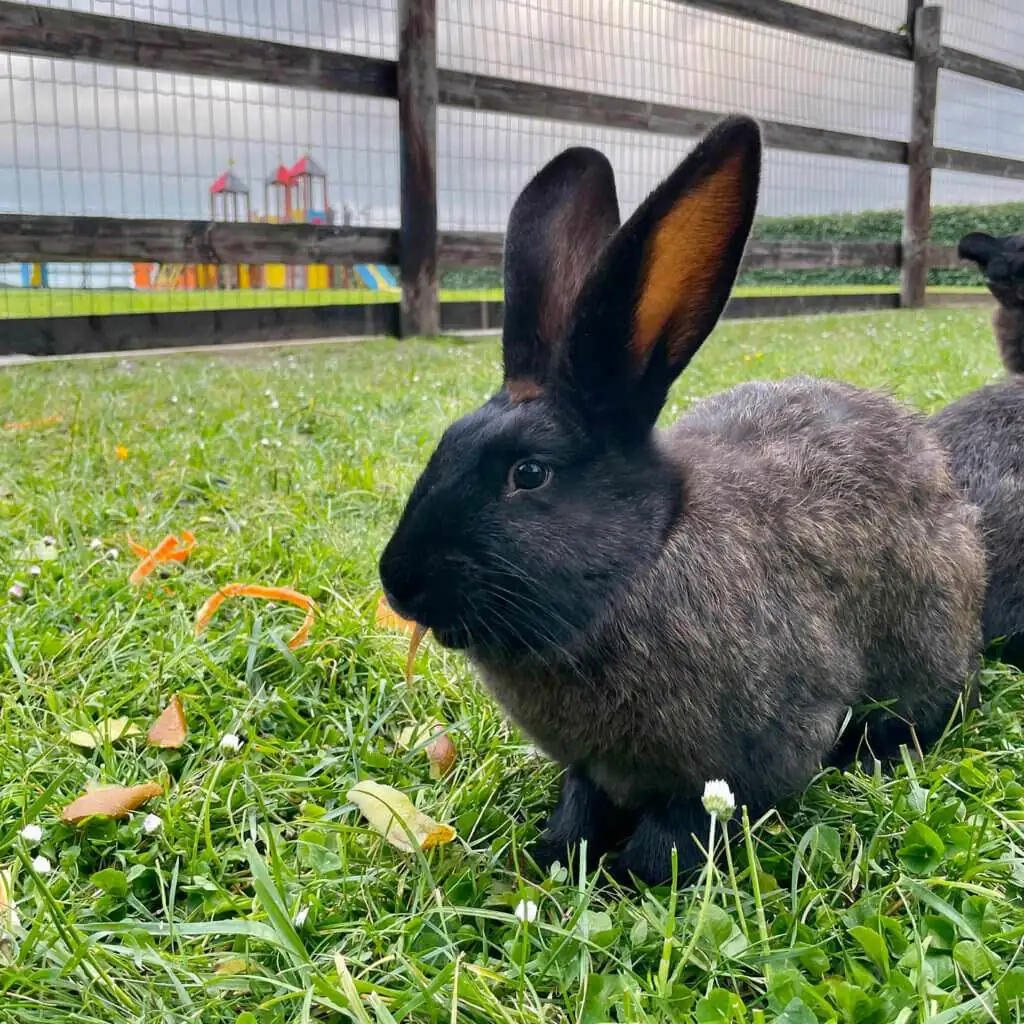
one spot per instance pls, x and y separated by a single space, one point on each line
286 594
418 633
46 421
170 549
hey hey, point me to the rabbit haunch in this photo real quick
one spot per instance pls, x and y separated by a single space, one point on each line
984 433
658 608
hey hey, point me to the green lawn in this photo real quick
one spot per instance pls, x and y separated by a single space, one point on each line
20 303
876 899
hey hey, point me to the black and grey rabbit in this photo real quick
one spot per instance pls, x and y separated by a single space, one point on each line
661 608
984 432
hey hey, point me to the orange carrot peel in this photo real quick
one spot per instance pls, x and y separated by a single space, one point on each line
285 594
46 421
170 549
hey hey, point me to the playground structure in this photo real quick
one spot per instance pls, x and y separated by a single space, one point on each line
292 195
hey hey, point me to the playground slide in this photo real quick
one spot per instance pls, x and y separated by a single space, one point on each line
375 276
386 276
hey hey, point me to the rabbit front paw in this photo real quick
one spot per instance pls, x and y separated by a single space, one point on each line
584 813
647 856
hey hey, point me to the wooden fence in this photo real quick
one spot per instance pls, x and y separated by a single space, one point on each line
419 249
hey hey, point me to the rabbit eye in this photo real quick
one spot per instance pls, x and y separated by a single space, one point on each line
528 475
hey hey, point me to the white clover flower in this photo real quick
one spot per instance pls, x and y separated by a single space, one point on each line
152 823
300 918
32 834
265 441
95 544
230 742
718 799
41 865
526 911
34 570
268 393
275 404
16 591
174 399
111 554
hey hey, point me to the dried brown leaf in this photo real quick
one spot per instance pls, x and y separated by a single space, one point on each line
171 728
109 801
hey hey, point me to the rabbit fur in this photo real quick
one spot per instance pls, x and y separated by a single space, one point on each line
659 608
984 433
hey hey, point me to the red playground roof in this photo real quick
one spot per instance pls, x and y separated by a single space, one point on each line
281 176
229 182
307 165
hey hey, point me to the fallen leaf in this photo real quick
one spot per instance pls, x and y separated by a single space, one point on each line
171 728
389 619
418 633
8 913
236 965
440 750
286 594
393 815
170 549
44 550
108 731
109 801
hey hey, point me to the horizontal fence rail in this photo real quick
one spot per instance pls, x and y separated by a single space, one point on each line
112 239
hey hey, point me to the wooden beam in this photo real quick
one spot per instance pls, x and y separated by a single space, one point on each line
978 163
531 99
71 335
795 17
35 238
926 36
477 249
75 35
417 156
971 64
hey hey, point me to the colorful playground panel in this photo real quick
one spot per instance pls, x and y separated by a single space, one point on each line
296 194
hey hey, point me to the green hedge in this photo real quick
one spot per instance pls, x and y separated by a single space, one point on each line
949 225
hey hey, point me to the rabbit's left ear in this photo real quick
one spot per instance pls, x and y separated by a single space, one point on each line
663 280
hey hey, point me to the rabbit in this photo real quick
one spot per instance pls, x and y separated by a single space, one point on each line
659 608
984 433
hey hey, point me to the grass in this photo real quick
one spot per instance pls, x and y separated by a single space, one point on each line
873 899
19 303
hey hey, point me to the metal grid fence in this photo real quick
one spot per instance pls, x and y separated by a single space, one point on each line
83 138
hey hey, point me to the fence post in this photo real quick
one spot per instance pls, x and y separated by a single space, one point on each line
925 26
417 156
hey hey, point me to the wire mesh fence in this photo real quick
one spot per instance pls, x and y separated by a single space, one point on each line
86 139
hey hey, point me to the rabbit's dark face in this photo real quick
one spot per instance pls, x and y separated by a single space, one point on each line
488 552
534 508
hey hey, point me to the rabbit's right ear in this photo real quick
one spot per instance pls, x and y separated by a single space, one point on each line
557 229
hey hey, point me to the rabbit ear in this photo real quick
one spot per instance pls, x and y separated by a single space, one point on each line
556 231
664 279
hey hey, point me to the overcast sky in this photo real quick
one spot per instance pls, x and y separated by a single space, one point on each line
86 139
